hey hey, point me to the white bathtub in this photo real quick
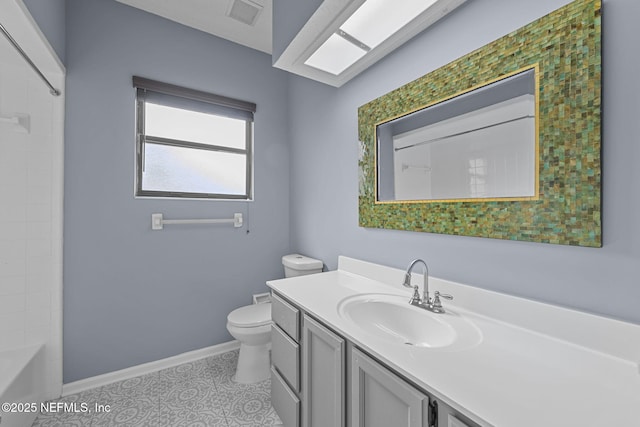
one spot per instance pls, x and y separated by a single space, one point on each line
22 382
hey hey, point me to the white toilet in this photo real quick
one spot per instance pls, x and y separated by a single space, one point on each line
251 325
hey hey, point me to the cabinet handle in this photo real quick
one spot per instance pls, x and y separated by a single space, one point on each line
433 413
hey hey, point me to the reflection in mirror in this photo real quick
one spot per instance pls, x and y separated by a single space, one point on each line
481 144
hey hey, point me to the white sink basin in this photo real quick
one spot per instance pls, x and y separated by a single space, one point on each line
393 319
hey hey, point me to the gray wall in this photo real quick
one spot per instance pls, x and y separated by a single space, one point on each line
324 171
50 17
132 295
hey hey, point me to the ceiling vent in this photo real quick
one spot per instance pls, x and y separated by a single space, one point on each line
244 11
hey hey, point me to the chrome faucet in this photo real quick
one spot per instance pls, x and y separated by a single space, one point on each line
415 299
425 301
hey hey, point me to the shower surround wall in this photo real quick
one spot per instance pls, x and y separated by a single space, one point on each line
31 216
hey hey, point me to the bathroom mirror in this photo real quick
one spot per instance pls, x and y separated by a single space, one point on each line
480 144
503 142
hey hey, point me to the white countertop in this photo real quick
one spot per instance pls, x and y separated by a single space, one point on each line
536 364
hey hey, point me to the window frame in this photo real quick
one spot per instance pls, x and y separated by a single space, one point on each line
247 109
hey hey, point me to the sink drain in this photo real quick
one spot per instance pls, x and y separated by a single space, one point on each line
408 343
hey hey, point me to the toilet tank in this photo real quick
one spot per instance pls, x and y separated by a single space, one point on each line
300 265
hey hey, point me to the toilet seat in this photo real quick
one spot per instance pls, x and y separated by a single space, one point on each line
250 316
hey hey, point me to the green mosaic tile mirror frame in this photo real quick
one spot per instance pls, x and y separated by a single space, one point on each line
566 45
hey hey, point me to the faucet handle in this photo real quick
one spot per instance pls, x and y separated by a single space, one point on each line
436 305
415 299
445 296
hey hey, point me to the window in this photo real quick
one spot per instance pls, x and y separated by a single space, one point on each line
192 144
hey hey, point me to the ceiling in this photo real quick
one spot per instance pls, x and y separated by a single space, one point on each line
211 17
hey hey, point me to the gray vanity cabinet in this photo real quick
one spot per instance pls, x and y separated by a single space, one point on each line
323 376
318 379
380 399
285 361
307 369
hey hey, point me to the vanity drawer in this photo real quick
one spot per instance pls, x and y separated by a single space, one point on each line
285 356
284 401
286 316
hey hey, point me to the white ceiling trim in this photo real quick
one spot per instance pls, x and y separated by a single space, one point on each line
326 21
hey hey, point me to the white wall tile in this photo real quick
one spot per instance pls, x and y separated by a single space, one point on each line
54 385
39 169
40 266
38 335
37 283
14 230
38 318
12 321
12 265
40 144
12 339
13 285
38 247
37 230
12 212
12 303
38 212
40 109
56 291
31 187
13 87
38 300
14 143
12 165
12 248
51 352
14 192
40 194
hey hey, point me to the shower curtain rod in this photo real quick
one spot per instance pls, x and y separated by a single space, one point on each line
52 90
465 132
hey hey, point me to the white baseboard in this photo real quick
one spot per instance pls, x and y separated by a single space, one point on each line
147 368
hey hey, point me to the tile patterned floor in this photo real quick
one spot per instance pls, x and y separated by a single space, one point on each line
198 394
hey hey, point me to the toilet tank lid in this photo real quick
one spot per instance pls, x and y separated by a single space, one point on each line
301 262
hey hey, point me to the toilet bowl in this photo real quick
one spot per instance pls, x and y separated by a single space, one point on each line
251 325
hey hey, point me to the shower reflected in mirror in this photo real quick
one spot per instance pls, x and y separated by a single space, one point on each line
480 144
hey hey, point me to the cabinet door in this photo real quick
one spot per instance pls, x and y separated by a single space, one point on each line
323 371
380 399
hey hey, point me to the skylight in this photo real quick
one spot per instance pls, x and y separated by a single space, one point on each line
370 25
